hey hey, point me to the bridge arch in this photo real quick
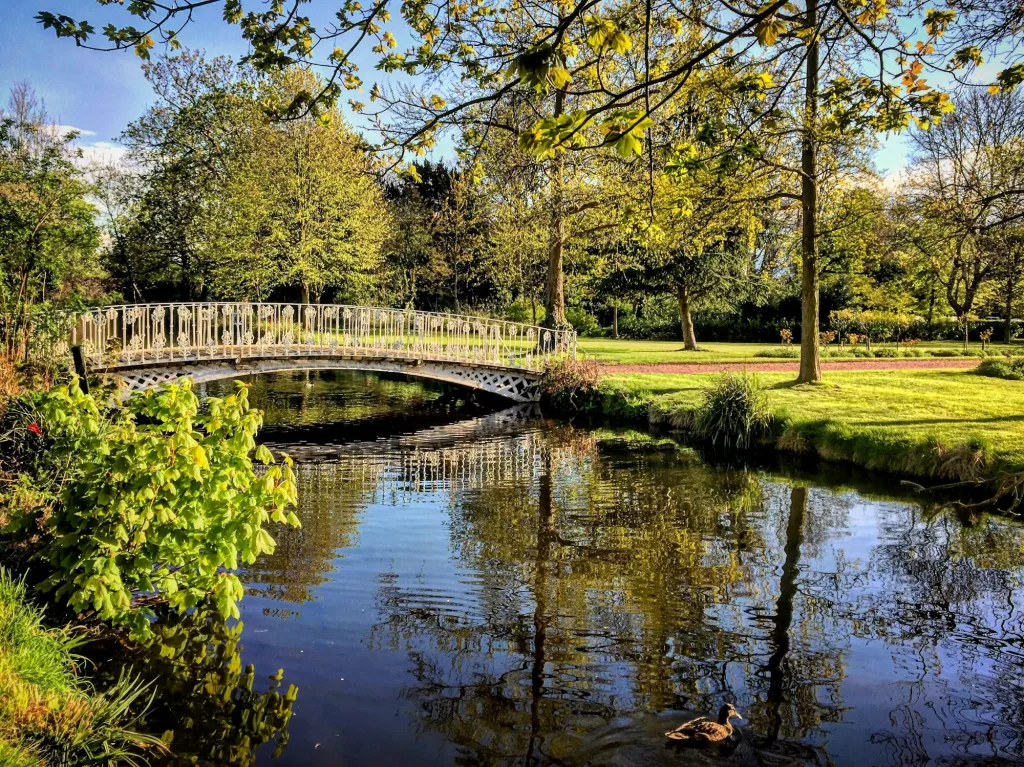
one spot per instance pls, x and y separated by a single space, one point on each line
148 344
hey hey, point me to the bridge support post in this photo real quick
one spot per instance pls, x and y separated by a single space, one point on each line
79 360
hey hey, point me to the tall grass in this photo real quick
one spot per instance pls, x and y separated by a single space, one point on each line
48 714
735 413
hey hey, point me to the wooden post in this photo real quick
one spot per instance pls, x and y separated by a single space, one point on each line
77 356
79 360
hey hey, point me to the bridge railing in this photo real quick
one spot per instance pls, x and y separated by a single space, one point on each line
129 335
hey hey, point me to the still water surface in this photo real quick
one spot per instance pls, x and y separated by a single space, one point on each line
499 589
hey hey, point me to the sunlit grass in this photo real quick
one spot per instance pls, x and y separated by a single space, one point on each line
951 406
47 714
623 352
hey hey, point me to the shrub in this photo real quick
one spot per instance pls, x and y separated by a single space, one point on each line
584 322
48 715
783 353
887 353
152 497
786 335
734 414
946 353
1010 368
571 385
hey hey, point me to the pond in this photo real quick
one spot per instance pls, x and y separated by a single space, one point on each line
492 588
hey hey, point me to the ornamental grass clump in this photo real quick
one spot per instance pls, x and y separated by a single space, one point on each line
735 413
48 714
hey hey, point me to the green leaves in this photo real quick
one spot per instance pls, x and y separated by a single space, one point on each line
159 498
540 67
624 130
552 134
604 34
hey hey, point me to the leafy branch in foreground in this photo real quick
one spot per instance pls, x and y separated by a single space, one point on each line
153 499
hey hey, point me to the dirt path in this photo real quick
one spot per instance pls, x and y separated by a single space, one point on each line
950 363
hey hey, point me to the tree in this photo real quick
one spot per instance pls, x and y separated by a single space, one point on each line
237 205
602 74
299 209
966 188
439 247
48 235
701 249
183 148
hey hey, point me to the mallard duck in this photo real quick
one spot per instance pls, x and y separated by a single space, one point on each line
703 730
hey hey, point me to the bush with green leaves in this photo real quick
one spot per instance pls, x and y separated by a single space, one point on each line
583 322
784 353
1010 368
735 413
155 499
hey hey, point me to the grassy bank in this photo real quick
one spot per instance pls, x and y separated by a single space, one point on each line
48 714
610 351
924 423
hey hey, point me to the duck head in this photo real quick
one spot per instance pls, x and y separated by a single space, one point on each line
727 712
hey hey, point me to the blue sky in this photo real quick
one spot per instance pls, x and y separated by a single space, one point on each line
100 93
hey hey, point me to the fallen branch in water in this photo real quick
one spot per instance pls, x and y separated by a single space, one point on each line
1006 485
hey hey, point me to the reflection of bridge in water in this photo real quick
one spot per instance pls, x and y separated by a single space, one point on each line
466 455
145 345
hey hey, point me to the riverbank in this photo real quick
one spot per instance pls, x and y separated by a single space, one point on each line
934 424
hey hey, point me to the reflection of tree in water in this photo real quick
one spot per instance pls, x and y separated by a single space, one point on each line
949 605
204 698
592 586
330 511
604 590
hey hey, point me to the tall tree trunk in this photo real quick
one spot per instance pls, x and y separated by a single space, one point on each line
810 353
777 682
615 320
686 320
554 301
1011 288
305 293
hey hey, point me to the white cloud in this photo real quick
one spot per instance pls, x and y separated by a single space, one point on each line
101 153
63 130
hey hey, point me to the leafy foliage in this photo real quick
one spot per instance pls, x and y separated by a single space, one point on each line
48 232
154 497
570 384
1010 368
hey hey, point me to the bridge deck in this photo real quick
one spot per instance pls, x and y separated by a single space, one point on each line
146 344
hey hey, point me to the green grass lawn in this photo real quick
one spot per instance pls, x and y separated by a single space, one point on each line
953 406
622 352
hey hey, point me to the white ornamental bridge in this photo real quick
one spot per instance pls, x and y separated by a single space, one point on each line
145 345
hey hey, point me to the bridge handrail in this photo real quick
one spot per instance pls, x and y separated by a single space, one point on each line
127 335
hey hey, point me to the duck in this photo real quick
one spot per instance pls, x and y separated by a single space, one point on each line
701 731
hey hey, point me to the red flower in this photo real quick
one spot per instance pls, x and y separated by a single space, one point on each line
34 428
